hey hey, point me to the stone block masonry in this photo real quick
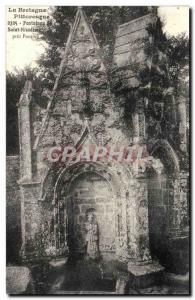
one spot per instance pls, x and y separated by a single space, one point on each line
92 191
13 210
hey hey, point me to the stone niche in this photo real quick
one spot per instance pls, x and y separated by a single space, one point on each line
53 208
91 191
119 201
79 188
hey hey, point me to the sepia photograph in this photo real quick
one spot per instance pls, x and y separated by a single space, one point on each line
98 116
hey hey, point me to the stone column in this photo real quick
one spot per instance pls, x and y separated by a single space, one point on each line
135 127
184 198
25 132
178 234
182 123
179 214
140 262
121 223
30 218
138 235
139 122
61 222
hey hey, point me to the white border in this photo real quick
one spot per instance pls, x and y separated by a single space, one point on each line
3 110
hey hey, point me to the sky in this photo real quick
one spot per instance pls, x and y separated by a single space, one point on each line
176 19
24 52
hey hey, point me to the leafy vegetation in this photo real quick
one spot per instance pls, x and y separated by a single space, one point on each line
166 75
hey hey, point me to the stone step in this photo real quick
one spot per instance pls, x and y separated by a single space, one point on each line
63 292
141 276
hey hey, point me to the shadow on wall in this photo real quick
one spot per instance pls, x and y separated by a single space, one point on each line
13 211
172 253
13 245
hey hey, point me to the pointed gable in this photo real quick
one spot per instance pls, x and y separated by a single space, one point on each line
83 51
81 67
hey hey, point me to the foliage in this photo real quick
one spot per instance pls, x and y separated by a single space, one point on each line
178 62
14 85
156 77
104 20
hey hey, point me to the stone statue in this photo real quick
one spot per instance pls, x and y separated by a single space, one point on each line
92 235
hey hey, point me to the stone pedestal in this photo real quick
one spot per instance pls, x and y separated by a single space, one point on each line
143 275
19 281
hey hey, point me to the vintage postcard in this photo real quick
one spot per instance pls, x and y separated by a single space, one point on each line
98 150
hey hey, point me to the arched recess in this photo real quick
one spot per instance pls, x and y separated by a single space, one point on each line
111 207
90 190
162 149
161 193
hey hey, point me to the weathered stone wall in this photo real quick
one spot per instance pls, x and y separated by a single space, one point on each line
164 219
31 217
179 240
13 209
137 220
24 117
82 91
131 39
92 191
83 110
160 200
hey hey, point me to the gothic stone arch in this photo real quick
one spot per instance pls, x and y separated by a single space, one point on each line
168 157
168 214
129 199
64 183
